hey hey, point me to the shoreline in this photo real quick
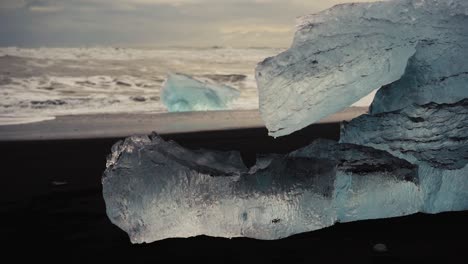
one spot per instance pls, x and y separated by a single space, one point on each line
96 126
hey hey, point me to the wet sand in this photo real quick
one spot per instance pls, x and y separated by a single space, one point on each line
123 125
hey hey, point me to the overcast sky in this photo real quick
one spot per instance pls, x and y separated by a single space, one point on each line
235 23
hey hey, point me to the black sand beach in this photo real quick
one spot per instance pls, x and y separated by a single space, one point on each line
52 209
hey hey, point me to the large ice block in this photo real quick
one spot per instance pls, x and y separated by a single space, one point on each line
155 189
433 136
182 93
344 53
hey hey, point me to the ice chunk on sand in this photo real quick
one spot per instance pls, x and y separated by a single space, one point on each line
182 93
155 189
433 136
342 54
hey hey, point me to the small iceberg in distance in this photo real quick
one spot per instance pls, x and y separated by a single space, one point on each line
182 93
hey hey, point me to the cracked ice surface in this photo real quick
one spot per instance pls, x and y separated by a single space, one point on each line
433 136
438 72
155 189
342 54
182 93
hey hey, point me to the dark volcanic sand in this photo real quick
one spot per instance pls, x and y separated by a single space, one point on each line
52 209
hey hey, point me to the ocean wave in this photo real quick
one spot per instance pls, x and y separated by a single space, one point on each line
47 82
115 53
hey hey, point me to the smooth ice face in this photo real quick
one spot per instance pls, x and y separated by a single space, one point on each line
182 93
155 189
370 183
433 136
342 54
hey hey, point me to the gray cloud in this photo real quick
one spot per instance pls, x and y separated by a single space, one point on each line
12 4
152 22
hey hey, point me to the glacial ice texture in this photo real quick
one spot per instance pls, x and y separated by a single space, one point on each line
342 54
155 189
182 93
432 136
438 72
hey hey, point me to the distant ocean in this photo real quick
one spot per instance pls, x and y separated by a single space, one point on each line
40 84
